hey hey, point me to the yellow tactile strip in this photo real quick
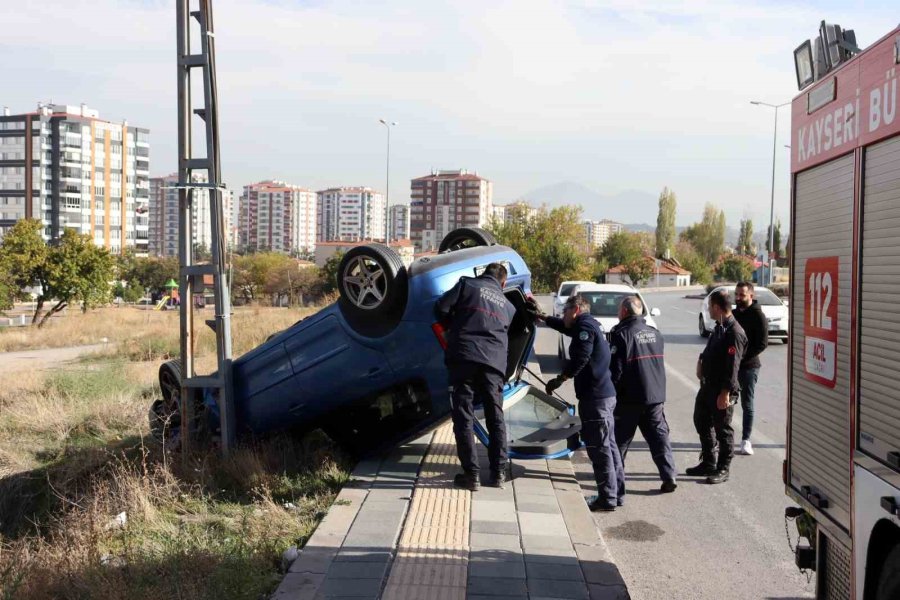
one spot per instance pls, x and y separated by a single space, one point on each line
432 557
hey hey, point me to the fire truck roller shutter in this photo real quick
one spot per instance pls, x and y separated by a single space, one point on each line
879 399
819 436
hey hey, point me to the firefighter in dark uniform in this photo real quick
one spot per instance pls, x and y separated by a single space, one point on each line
638 371
717 369
588 364
478 316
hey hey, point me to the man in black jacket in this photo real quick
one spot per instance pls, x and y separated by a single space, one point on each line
638 371
717 370
588 364
478 316
756 326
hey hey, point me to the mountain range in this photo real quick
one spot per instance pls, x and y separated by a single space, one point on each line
631 206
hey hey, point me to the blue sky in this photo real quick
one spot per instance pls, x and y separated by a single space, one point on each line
613 94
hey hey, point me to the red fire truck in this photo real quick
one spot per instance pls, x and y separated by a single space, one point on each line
843 433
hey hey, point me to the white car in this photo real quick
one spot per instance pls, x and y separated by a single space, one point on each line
605 299
773 307
565 290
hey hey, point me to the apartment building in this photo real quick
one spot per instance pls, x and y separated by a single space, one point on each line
277 216
445 200
399 222
164 215
506 213
70 169
597 232
348 214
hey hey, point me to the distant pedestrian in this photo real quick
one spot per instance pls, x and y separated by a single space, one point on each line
638 371
588 364
717 370
478 316
751 317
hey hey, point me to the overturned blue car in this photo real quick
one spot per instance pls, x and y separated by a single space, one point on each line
369 369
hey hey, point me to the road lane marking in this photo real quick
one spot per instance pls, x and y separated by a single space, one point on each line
693 385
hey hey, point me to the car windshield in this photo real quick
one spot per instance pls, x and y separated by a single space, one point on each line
566 289
767 298
606 304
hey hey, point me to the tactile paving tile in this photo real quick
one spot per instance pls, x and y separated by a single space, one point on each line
432 556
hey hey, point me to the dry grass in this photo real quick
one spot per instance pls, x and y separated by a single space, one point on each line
158 330
75 453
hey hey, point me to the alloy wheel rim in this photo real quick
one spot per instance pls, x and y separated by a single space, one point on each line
365 283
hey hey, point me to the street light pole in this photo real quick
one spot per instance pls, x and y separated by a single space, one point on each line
387 182
772 202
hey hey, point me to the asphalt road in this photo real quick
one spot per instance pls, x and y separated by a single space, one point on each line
723 542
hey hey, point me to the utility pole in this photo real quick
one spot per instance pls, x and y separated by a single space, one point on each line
189 274
775 107
387 183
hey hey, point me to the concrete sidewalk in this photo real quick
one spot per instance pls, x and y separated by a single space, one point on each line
402 531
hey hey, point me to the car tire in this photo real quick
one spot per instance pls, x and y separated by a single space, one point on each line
704 332
466 237
165 413
372 286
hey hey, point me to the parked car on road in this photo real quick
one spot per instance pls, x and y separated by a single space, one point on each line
565 290
369 369
773 307
605 299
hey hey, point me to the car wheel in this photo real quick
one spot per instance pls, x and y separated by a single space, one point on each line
372 284
165 414
466 237
704 332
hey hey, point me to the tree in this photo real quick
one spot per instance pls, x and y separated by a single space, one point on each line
777 245
8 289
620 248
253 271
690 260
329 272
776 248
708 236
74 270
665 224
639 270
147 273
22 252
549 241
735 268
287 280
745 243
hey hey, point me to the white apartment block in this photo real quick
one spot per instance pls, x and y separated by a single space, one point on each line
164 215
507 213
399 222
350 214
445 200
597 232
69 169
277 216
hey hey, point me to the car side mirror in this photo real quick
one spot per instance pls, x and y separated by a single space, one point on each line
655 312
553 294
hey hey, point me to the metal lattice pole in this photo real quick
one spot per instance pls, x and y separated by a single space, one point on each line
221 381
